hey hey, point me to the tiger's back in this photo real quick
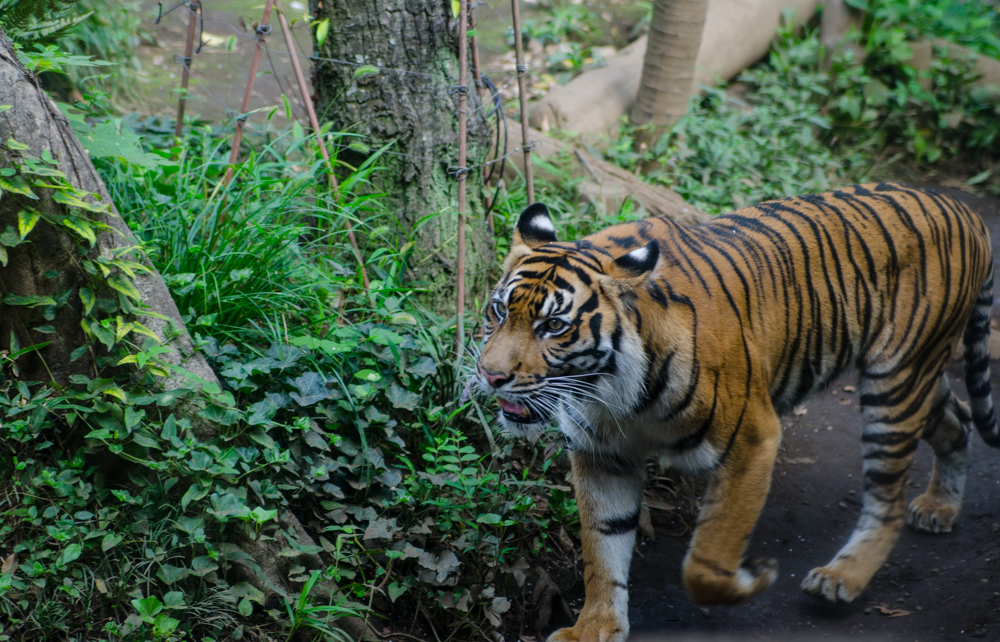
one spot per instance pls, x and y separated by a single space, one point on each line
649 336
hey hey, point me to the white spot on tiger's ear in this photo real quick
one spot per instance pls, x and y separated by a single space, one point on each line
640 255
640 261
542 223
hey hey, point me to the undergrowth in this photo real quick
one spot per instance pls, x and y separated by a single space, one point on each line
120 505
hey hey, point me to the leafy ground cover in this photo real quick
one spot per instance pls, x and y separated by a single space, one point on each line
794 124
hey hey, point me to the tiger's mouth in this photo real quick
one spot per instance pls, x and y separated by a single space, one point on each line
519 414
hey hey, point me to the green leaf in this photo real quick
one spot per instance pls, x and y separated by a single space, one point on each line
110 541
87 298
16 185
203 565
194 493
81 227
169 574
68 554
322 31
259 435
260 515
174 600
114 139
72 199
29 301
368 375
3 255
456 8
979 178
245 607
16 146
124 285
26 220
402 398
395 590
148 608
4 108
164 626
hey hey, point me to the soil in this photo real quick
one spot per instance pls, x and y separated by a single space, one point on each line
933 587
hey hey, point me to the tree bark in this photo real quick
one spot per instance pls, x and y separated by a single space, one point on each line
410 105
669 64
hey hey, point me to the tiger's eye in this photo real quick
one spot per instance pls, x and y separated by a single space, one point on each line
554 324
500 309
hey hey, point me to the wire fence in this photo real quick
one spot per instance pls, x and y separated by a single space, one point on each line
209 30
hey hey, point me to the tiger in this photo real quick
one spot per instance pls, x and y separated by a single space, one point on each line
649 337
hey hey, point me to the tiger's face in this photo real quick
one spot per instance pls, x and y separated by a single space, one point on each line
555 336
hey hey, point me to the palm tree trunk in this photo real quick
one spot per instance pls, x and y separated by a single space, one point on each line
668 67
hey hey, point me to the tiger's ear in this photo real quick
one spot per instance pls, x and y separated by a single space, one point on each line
534 229
635 266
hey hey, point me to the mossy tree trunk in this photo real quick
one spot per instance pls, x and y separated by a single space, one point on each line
669 64
48 264
409 104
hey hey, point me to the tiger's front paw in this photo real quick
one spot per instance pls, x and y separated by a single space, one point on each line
708 583
931 513
593 628
833 585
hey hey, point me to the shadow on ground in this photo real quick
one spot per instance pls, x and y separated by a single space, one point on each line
933 587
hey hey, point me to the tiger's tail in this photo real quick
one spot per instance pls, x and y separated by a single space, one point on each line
977 365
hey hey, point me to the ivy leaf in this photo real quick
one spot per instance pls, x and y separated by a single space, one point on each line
402 398
81 227
170 574
110 541
124 285
16 185
72 199
382 528
30 301
26 220
311 388
68 554
87 298
148 608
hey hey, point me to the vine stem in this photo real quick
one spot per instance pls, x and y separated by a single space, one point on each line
314 123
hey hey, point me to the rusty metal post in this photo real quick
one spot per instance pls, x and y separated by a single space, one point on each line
314 123
461 173
522 99
263 29
195 7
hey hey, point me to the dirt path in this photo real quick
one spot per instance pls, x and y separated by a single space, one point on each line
943 587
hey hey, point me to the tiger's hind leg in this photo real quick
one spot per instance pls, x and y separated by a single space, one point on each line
896 408
947 432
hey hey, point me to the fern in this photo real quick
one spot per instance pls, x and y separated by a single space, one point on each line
25 21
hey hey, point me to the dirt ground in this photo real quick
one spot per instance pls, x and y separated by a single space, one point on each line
933 587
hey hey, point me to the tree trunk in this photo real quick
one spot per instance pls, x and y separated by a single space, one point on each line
410 105
669 65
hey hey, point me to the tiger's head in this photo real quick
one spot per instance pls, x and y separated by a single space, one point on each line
560 335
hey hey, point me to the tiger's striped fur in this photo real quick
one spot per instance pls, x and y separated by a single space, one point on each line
691 341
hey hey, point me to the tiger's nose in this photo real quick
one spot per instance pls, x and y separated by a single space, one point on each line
494 379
